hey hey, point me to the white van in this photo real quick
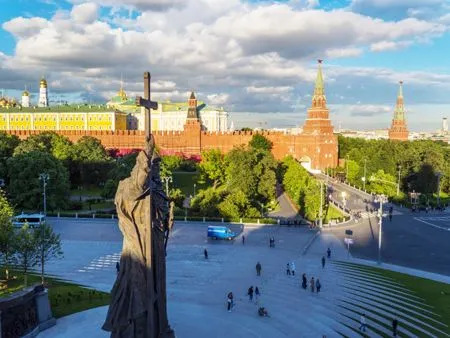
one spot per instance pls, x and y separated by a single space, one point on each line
33 220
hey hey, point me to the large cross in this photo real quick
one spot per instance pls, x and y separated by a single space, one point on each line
147 104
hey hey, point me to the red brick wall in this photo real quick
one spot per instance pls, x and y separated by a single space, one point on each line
192 141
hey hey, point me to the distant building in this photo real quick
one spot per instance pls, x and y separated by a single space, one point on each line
444 126
26 99
43 93
398 130
170 116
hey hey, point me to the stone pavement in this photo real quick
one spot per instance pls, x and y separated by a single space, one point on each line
197 288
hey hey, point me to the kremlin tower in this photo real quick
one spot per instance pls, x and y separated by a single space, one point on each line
399 131
26 99
318 128
43 93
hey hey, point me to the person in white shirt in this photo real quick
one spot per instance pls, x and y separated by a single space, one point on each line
362 321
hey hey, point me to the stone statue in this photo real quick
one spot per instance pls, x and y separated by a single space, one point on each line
138 299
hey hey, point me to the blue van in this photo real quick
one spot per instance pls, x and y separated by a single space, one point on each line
220 232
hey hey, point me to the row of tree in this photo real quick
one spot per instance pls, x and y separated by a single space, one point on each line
25 248
243 181
416 163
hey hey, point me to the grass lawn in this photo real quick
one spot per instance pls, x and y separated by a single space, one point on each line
89 191
185 181
333 213
65 298
434 293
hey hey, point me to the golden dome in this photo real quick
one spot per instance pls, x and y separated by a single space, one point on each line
25 93
122 94
43 82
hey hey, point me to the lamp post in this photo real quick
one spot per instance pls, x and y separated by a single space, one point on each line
398 185
321 206
346 167
44 177
438 174
382 199
364 178
167 180
195 185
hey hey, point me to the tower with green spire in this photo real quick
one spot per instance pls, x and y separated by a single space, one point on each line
318 130
399 130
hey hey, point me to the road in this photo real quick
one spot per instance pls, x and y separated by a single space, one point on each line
406 241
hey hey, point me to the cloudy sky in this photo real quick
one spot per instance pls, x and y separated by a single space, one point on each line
255 58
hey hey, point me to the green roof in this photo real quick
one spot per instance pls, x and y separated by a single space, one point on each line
82 108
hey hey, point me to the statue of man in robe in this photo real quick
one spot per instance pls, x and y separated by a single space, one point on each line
138 306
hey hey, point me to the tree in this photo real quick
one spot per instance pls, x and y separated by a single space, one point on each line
213 166
57 145
239 172
6 232
7 145
48 245
382 183
235 205
26 250
25 188
259 141
177 196
353 171
169 163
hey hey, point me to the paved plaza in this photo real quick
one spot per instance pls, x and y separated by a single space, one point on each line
197 288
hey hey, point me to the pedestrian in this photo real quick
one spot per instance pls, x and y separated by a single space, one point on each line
362 322
304 281
230 301
329 253
256 293
205 253
243 240
288 269
117 267
258 269
394 327
312 284
318 285
250 293
323 262
293 268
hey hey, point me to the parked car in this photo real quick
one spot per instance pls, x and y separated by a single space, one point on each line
33 220
220 232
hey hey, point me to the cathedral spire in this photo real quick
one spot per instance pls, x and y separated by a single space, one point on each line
319 99
399 112
398 130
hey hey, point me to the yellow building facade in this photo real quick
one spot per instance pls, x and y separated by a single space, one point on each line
62 119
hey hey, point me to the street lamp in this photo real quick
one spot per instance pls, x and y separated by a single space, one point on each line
44 177
321 206
364 178
398 185
195 185
438 174
382 199
346 166
167 180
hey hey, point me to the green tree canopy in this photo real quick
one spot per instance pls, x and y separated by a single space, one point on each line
57 145
26 250
7 145
25 188
212 166
169 163
6 232
259 141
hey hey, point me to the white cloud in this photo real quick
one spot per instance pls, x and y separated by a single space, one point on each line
366 110
25 27
218 99
269 90
85 13
389 45
152 5
343 52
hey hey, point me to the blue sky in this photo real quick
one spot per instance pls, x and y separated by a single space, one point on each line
254 57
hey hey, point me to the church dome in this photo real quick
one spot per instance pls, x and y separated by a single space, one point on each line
25 93
43 82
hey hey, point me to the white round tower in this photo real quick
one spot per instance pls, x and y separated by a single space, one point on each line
25 99
43 93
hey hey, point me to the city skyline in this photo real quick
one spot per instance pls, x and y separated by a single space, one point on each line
232 55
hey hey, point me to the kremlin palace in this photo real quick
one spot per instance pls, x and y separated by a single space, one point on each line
120 113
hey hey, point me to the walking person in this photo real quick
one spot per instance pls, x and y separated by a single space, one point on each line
362 322
258 269
312 284
323 262
250 293
293 268
230 301
205 253
243 240
304 281
394 327
318 285
257 294
329 253
117 267
288 269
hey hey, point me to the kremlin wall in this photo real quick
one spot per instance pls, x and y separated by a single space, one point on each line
316 147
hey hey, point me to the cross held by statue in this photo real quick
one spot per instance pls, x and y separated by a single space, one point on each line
147 103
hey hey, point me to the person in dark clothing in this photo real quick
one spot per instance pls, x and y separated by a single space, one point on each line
318 285
394 327
304 281
117 267
329 253
230 301
313 284
257 293
243 239
263 312
258 269
288 269
250 293
205 253
323 262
